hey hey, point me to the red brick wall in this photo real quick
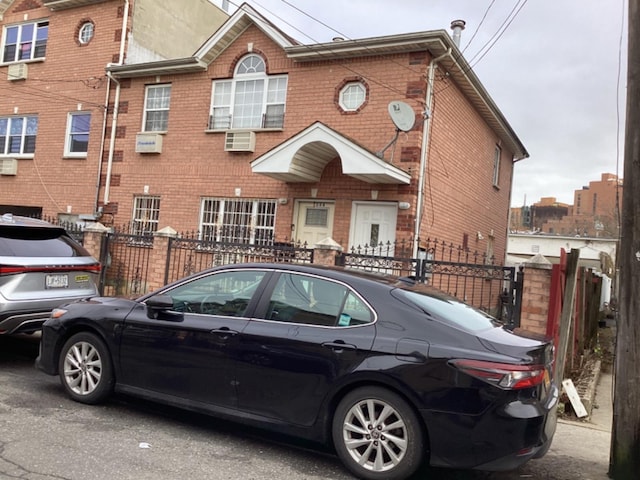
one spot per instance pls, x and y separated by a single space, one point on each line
72 75
459 197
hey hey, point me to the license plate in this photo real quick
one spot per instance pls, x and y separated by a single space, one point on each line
57 281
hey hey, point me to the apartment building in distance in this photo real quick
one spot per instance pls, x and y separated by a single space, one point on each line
254 137
594 213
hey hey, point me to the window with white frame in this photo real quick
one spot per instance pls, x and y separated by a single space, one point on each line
238 220
252 99
352 96
496 166
77 140
18 135
146 212
26 41
85 34
156 108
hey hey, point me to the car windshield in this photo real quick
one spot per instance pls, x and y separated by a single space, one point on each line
450 310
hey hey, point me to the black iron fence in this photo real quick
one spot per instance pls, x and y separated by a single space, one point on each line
133 265
190 255
131 262
470 276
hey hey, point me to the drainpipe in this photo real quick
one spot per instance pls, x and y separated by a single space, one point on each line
105 114
424 151
114 121
112 140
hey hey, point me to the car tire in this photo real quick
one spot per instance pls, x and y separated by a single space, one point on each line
85 368
389 444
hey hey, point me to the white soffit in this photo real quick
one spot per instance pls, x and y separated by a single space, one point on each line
304 156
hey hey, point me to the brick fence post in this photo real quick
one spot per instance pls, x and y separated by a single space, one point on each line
158 258
536 293
92 239
326 251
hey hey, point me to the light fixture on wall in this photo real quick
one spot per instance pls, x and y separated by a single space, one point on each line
314 192
404 205
374 194
283 201
479 236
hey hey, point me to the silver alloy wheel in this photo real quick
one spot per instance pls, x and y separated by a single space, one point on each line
375 435
82 368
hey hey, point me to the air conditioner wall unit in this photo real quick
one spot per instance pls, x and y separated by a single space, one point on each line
17 71
244 141
8 166
148 143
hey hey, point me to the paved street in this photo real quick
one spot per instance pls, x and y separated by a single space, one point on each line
46 436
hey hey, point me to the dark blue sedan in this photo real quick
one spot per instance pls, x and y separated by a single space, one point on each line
390 372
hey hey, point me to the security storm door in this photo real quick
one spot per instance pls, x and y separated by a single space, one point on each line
372 224
314 221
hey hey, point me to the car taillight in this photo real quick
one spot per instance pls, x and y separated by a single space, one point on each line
15 269
503 375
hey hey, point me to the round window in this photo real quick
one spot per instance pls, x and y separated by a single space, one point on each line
86 33
352 96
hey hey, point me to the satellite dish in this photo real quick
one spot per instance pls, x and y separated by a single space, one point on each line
402 115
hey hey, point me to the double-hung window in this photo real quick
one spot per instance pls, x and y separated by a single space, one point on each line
18 135
77 140
237 220
252 99
26 41
146 213
156 108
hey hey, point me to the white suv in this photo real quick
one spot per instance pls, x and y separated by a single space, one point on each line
41 267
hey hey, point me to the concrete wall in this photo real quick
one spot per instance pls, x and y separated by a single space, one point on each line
171 29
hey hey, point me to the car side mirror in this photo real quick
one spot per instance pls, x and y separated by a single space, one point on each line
158 304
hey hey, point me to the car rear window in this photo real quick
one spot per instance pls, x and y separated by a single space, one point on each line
38 242
450 310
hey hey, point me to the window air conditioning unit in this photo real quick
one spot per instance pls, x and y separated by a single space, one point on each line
240 141
17 71
8 166
148 143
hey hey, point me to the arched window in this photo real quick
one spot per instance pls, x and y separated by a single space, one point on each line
252 99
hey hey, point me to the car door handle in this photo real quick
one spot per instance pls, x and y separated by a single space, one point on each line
224 333
338 346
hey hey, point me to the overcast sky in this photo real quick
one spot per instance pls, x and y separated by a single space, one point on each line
551 66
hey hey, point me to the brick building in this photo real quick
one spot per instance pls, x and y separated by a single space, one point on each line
53 89
254 137
594 212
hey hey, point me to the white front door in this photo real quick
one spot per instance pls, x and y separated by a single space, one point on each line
372 224
314 221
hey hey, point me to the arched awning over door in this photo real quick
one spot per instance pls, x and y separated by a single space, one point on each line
303 157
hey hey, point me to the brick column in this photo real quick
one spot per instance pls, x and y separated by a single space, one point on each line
326 251
92 240
536 294
158 258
